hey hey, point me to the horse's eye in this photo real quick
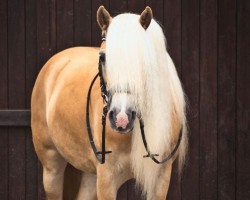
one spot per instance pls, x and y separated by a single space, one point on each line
102 57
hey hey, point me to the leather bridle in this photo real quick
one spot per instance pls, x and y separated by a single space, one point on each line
107 97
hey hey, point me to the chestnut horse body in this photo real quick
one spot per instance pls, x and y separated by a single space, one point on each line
59 130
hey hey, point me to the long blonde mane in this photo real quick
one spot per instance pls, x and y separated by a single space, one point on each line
137 60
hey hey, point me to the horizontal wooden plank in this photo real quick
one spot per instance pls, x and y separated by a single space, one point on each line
15 117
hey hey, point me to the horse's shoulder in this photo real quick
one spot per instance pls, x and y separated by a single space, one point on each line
66 71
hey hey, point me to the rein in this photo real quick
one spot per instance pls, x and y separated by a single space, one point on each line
152 156
100 155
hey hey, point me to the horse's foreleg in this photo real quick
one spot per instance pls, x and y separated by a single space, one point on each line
161 188
87 189
109 181
53 174
106 186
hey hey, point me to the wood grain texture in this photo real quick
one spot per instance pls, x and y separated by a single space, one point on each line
30 76
46 31
172 17
190 74
133 191
14 117
226 98
243 99
136 6
82 22
208 100
64 24
172 28
117 7
16 96
4 159
31 171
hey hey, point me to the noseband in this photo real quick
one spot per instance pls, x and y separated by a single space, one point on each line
106 96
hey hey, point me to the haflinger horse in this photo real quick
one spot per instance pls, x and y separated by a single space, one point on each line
142 97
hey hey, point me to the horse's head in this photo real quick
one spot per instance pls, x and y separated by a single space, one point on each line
120 80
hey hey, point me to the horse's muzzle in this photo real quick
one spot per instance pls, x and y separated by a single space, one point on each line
122 122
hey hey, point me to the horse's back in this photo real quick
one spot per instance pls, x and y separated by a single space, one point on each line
59 99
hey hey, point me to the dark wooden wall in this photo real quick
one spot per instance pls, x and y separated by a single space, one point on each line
209 42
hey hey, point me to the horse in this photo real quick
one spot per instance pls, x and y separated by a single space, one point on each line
144 103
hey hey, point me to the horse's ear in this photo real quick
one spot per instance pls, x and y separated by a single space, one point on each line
103 18
146 17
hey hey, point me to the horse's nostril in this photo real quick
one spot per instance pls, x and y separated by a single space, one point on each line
112 116
111 113
133 114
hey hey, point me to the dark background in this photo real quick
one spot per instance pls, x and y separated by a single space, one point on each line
210 45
